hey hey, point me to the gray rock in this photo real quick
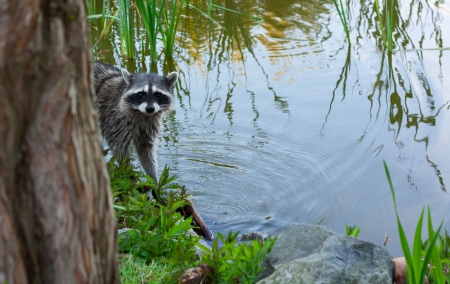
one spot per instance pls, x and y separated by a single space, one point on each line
314 254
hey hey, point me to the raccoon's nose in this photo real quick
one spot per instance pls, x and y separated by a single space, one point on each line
150 109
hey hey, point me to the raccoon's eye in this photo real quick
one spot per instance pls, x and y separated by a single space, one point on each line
141 94
157 95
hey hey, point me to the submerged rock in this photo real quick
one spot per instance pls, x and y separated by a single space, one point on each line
314 254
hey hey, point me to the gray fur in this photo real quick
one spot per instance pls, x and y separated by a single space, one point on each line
122 122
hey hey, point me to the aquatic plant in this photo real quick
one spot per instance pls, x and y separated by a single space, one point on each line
151 14
386 24
125 16
417 261
170 22
341 12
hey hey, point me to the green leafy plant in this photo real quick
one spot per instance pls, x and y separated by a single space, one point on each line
416 265
233 262
341 12
352 231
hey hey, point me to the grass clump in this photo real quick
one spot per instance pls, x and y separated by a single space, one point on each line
352 231
138 270
417 261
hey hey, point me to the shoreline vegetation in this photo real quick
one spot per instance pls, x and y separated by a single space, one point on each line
154 240
156 247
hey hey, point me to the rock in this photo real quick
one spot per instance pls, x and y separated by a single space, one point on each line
252 236
314 254
197 275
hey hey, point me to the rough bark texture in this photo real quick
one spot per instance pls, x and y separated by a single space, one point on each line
56 217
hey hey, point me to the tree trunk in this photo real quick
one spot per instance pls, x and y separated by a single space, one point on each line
56 217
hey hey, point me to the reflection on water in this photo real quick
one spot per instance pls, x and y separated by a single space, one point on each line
275 115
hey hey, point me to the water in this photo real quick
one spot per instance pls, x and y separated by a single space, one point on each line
267 132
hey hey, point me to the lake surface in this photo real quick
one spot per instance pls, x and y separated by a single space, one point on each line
268 131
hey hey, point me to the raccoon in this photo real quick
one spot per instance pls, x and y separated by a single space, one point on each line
131 108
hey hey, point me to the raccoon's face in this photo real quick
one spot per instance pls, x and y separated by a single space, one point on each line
148 93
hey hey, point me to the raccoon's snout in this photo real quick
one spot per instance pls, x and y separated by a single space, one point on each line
150 109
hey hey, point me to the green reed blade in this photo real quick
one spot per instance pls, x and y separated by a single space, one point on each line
234 11
380 22
341 12
206 16
171 25
126 27
98 16
439 273
151 16
417 248
401 232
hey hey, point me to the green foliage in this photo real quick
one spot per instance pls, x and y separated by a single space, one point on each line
236 263
154 227
417 261
341 12
352 231
440 258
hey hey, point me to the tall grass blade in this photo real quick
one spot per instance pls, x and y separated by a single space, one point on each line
151 16
236 12
341 12
171 25
436 260
417 248
126 27
204 15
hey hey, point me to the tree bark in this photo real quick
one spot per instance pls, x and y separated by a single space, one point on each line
56 218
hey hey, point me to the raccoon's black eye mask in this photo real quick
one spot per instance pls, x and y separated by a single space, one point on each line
137 98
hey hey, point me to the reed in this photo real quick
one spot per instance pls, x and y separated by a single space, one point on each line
126 24
151 14
341 12
387 23
171 20
417 261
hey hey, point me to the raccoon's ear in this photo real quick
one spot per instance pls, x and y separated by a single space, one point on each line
172 78
126 76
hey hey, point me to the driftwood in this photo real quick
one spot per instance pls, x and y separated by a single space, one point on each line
189 210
